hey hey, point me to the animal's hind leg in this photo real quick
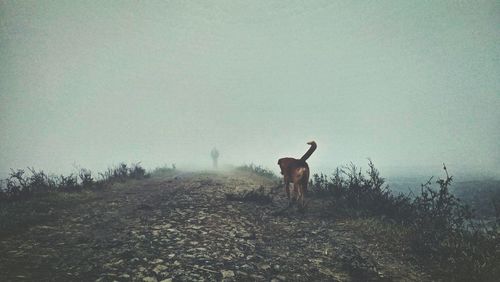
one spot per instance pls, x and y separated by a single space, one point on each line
287 190
303 194
300 196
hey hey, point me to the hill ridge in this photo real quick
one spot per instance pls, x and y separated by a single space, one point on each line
183 228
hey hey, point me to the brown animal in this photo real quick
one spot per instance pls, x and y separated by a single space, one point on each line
297 172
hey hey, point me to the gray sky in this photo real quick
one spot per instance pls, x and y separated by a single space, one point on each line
407 83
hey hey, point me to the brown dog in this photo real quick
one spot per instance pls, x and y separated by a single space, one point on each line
297 172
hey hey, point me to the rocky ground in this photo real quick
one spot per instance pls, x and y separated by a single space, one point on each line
186 228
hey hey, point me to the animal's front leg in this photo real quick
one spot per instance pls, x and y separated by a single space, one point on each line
296 194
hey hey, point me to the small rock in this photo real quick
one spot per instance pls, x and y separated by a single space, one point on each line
227 257
142 269
149 279
227 273
118 262
246 266
246 235
157 261
241 273
264 267
159 268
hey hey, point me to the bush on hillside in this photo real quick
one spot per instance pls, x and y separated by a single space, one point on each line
442 230
21 184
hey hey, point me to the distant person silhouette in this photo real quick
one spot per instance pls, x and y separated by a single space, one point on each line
215 156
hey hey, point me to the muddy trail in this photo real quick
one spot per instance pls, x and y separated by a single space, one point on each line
185 227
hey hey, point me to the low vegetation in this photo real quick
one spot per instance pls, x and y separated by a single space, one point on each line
354 193
438 227
23 184
163 171
30 196
258 170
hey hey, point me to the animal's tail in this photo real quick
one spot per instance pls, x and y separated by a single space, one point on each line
310 151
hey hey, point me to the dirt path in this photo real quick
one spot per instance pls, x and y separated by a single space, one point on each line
182 228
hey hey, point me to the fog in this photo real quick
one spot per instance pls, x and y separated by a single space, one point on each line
409 84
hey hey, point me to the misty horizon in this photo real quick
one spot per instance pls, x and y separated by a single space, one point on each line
92 84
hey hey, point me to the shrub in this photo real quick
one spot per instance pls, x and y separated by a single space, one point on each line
259 170
137 172
17 185
68 183
86 179
352 192
22 185
441 228
443 231
163 170
122 172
